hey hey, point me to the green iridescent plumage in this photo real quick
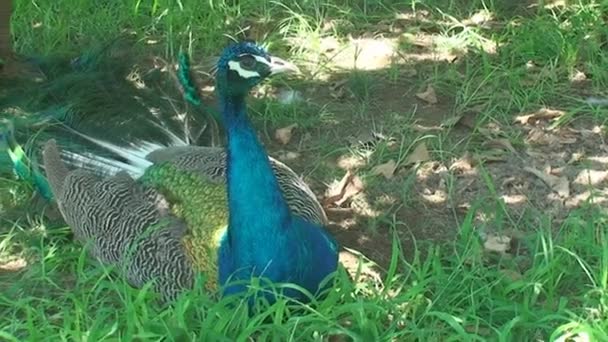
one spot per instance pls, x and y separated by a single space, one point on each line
23 167
147 201
201 203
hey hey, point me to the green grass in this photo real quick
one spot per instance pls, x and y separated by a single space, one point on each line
554 286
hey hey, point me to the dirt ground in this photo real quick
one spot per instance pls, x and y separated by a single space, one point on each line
507 173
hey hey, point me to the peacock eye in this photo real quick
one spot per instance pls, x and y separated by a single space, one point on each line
247 62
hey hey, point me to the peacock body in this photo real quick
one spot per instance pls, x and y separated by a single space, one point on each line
233 214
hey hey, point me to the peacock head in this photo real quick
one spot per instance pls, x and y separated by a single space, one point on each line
244 65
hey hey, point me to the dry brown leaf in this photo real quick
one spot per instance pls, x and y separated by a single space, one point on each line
501 143
287 155
497 243
420 154
283 135
337 89
428 95
466 119
591 177
463 164
387 169
578 76
539 137
490 156
543 114
350 162
558 184
512 275
420 128
13 265
536 154
487 132
451 121
576 157
565 140
479 18
339 192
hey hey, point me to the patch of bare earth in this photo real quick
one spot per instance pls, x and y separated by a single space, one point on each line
553 170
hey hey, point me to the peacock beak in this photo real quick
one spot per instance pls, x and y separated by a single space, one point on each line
281 66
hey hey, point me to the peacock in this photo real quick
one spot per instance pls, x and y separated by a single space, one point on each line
234 214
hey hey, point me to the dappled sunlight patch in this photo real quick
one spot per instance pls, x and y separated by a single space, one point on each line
517 199
436 196
590 177
597 197
346 223
598 159
362 206
12 264
555 4
338 192
351 161
365 54
360 268
539 115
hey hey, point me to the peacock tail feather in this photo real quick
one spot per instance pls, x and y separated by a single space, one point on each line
23 167
129 179
78 101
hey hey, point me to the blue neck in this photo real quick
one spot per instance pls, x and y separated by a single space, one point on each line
257 209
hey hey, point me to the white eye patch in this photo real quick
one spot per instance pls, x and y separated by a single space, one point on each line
261 60
236 66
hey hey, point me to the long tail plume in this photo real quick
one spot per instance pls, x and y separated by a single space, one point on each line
107 110
23 166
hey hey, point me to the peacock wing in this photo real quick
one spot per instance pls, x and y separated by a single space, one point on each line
125 224
210 163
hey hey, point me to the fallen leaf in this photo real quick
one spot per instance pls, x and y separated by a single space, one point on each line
536 154
502 143
576 157
543 114
591 177
420 128
13 265
466 119
512 275
530 65
578 76
497 243
428 95
387 169
339 192
449 122
491 156
419 154
283 135
350 162
558 184
337 89
539 137
287 155
479 18
463 164
565 140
